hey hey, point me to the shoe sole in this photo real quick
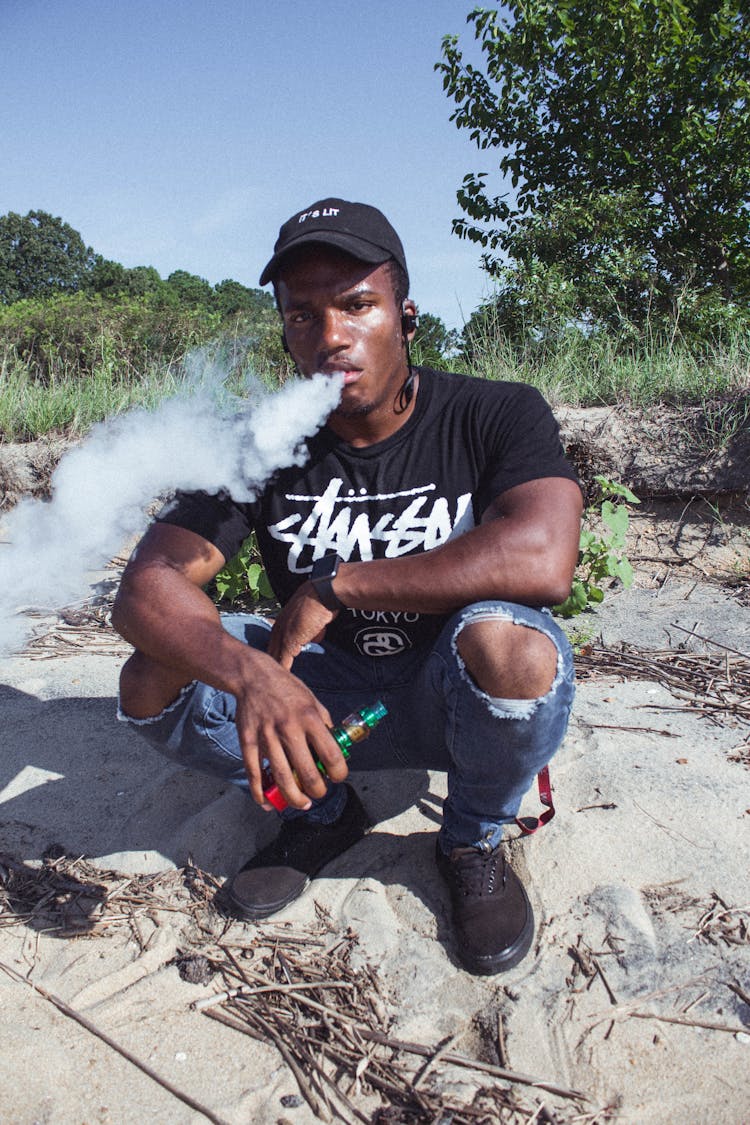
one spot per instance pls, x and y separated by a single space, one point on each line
254 914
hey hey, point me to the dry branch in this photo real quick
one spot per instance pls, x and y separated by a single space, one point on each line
86 1023
318 1013
713 684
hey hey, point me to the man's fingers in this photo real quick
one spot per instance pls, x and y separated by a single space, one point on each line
325 715
287 762
282 649
278 747
274 643
251 758
303 619
279 771
329 752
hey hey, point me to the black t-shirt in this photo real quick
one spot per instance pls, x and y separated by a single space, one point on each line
467 441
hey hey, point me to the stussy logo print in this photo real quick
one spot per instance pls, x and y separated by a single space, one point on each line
412 520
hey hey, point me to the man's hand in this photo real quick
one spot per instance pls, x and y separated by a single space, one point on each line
303 619
280 720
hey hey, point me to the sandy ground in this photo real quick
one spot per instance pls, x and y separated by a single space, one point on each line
636 993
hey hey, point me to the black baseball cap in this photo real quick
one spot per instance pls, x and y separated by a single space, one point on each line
360 230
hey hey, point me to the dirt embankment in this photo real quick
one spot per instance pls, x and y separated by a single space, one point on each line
26 468
691 470
661 452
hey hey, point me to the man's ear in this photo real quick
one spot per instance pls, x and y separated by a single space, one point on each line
408 320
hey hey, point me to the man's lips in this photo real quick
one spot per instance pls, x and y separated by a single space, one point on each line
350 374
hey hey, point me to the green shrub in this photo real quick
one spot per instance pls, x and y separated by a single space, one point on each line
76 333
75 359
243 579
601 556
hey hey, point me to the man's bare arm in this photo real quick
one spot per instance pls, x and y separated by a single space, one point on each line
162 610
160 589
525 550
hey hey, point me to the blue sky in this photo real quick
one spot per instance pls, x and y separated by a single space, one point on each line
182 133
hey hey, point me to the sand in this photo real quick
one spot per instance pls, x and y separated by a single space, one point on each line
640 887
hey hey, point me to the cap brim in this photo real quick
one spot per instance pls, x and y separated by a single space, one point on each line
350 243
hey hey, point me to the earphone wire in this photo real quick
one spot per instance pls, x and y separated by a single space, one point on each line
406 394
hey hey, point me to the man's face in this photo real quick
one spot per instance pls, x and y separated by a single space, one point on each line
340 315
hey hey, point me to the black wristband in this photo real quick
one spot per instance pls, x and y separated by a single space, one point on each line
322 575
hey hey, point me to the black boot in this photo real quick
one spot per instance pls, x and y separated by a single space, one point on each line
279 873
491 910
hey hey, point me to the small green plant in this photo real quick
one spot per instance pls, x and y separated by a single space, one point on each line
601 551
721 421
243 577
581 637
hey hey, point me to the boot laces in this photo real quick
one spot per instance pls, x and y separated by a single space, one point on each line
477 872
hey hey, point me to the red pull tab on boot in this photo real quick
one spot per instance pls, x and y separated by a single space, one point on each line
529 824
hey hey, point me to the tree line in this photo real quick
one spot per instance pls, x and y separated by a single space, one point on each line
42 256
64 305
623 127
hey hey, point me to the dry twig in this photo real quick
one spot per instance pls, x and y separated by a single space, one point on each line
86 1023
711 684
325 1018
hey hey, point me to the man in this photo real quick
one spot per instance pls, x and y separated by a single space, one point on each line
411 555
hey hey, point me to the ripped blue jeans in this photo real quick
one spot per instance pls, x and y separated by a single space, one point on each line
438 719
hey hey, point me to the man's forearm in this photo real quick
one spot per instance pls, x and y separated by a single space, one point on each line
488 562
278 720
174 622
525 550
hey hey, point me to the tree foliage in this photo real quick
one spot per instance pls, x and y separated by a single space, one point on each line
67 311
74 333
624 127
107 277
40 255
230 297
189 288
433 343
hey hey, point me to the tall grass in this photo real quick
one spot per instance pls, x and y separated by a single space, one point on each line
580 370
69 404
72 361
67 365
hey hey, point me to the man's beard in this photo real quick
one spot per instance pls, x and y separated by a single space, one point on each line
358 411
362 409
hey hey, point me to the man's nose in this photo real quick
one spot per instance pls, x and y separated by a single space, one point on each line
333 331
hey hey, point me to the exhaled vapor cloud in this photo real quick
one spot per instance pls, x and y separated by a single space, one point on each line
102 488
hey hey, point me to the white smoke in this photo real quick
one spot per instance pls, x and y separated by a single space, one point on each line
101 489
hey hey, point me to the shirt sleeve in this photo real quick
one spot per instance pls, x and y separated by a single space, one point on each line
216 517
524 443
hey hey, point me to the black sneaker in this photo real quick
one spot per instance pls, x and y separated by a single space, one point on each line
279 873
491 910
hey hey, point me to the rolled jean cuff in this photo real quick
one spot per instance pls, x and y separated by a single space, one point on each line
324 810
